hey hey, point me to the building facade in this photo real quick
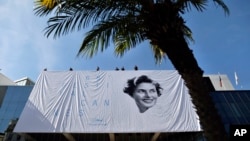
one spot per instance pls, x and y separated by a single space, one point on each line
13 97
233 107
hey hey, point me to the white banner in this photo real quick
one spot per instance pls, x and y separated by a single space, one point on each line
109 102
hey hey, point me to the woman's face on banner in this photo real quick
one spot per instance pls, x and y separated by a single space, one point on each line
145 95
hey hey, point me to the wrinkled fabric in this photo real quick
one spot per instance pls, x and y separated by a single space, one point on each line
94 102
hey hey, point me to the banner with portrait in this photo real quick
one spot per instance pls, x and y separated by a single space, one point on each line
108 102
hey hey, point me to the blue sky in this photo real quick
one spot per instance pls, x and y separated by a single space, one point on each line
222 44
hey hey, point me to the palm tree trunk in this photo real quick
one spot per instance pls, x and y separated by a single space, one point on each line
183 60
165 29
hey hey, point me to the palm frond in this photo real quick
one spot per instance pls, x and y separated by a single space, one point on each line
119 21
127 39
61 25
187 33
50 4
159 55
45 7
41 10
199 5
223 5
183 5
124 38
97 38
79 15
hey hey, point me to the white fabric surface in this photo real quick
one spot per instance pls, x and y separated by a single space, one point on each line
94 102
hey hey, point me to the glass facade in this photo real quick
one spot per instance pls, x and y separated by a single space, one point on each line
233 107
12 103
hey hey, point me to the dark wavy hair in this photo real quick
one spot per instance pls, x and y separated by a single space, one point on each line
134 82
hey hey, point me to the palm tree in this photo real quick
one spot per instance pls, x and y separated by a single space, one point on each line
127 23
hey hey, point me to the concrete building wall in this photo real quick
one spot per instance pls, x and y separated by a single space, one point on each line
220 82
5 81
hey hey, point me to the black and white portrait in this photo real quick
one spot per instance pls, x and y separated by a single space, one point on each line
144 91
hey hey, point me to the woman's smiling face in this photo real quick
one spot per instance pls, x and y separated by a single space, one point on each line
145 96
